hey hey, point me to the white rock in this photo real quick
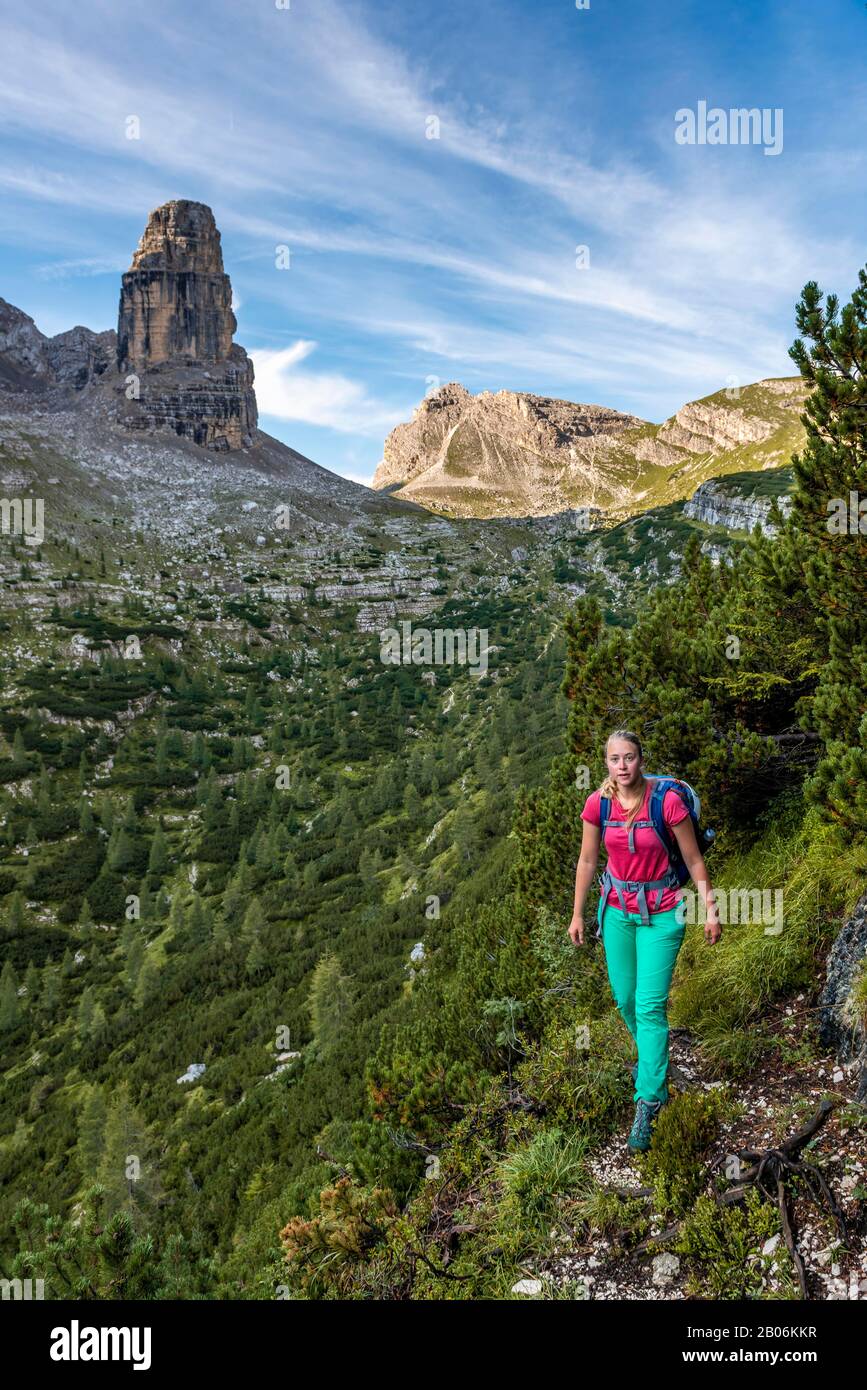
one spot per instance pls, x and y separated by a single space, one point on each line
531 1287
193 1072
665 1267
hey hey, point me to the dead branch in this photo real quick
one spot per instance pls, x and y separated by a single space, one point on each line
771 1171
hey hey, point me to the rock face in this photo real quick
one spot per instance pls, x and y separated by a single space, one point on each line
79 356
506 453
842 1019
717 505
182 372
410 449
22 349
68 362
517 454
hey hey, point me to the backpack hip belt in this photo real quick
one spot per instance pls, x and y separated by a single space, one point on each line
630 885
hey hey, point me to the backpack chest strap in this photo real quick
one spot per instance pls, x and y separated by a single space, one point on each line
644 824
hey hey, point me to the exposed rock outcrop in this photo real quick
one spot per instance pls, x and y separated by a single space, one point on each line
410 448
508 453
182 373
517 454
30 362
718 505
79 356
842 1019
22 350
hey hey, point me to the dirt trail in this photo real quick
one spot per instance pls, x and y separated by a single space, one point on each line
839 1149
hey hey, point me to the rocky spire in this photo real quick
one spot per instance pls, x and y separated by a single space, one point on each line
174 336
176 300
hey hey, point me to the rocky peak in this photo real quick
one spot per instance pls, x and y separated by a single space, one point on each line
513 453
174 336
22 349
176 299
503 452
53 367
79 356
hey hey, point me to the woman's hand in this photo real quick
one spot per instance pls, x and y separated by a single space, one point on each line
576 930
712 930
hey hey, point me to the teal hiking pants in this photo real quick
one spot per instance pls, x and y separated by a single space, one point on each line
640 960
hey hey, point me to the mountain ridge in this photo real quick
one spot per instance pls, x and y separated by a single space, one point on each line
515 453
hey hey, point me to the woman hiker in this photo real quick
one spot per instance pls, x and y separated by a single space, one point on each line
641 947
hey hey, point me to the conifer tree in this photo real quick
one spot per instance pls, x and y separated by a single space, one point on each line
85 1013
330 1001
822 551
126 1170
50 990
158 858
10 1010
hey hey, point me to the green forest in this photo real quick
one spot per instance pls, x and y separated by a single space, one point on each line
333 895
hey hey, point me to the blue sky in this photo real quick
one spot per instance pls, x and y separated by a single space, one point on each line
414 261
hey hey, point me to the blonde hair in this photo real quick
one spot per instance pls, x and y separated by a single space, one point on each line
609 786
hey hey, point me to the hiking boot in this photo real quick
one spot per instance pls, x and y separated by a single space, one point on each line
646 1112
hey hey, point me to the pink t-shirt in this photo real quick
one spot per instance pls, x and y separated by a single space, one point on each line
650 860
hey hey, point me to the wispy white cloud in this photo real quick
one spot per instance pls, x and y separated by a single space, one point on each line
417 256
82 266
317 398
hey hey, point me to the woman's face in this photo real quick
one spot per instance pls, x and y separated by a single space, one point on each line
624 763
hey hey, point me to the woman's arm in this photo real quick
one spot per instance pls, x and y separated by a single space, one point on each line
584 871
694 861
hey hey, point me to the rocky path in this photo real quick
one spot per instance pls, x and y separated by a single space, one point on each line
839 1149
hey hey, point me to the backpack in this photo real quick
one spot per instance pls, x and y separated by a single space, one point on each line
678 873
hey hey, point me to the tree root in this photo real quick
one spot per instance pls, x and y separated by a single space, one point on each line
769 1172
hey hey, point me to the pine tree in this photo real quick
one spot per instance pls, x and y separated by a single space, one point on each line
148 982
135 956
85 1013
823 546
31 984
20 756
10 1010
257 958
50 991
91 1133
412 803
158 859
16 913
126 1169
330 1001
254 922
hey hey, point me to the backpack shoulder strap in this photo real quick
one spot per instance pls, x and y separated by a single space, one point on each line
604 813
657 796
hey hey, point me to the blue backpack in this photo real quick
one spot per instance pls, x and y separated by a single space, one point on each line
678 873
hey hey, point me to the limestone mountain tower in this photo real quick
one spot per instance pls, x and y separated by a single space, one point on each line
174 334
